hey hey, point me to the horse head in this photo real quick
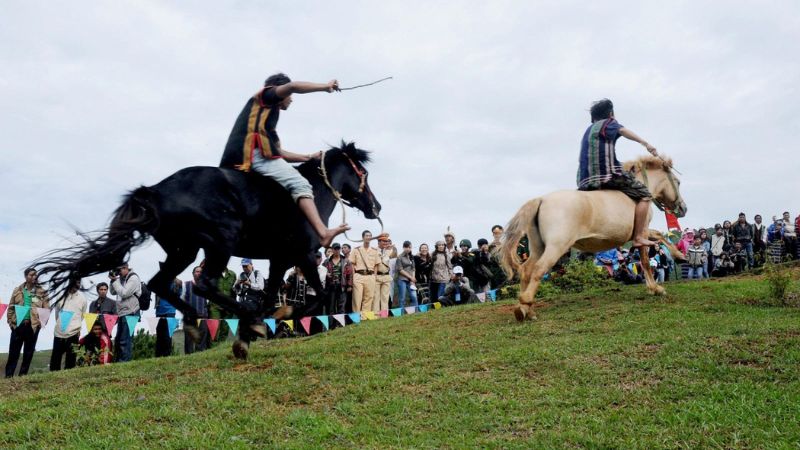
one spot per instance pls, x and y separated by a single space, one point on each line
342 168
658 176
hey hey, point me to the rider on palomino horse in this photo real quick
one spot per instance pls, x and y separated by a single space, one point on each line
600 169
254 144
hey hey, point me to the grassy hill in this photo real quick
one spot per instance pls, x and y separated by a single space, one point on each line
705 366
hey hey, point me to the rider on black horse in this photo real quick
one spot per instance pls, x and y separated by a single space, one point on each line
254 144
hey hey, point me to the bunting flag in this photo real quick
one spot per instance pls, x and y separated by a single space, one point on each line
199 321
437 305
384 313
424 308
339 318
289 323
44 315
397 312
63 316
355 317
110 320
152 324
213 327
368 315
672 222
270 324
172 324
411 309
21 311
132 321
493 295
89 319
3 308
324 321
233 324
481 297
306 324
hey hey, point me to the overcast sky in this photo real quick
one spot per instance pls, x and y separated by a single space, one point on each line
486 109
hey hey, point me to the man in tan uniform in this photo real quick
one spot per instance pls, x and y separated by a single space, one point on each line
364 260
383 280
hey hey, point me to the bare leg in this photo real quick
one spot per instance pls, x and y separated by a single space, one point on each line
640 231
325 234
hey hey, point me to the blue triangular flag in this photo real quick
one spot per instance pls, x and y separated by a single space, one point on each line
355 317
132 321
233 324
172 324
64 316
396 311
493 295
271 324
22 313
324 321
424 308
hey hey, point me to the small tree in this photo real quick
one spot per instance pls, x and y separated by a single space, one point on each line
779 279
144 345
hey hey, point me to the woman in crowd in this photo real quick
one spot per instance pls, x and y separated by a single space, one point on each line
67 332
706 243
422 271
727 231
96 346
441 270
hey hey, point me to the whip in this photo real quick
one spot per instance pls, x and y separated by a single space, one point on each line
364 85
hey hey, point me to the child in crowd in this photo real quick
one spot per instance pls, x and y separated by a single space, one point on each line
97 346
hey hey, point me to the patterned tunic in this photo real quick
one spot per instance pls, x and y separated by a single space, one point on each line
254 130
598 160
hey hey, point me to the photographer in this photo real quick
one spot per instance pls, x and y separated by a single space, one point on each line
127 286
457 290
250 285
722 265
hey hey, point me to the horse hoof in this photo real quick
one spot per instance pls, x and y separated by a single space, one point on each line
192 332
240 349
259 329
520 311
282 313
659 291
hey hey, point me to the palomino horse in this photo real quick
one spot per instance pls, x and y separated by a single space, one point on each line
590 221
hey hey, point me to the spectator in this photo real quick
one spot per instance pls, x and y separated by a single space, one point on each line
723 266
423 264
727 232
466 259
66 335
383 280
759 239
225 284
127 286
609 259
789 235
392 264
250 285
348 304
738 257
441 270
696 259
200 304
498 275
659 256
706 242
96 346
31 294
296 288
364 260
338 281
743 234
314 299
718 245
165 310
458 290
777 246
627 274
497 234
450 244
103 304
406 279
483 266
687 238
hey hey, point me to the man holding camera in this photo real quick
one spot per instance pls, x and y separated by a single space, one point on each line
457 290
127 286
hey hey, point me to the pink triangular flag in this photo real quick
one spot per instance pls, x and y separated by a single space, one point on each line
213 326
481 296
306 323
411 309
384 313
337 317
3 308
44 315
152 323
110 320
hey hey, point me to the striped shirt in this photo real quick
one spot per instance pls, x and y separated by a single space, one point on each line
598 160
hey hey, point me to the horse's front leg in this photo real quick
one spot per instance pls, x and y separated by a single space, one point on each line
652 286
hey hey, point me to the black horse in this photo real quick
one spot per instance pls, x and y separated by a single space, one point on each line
224 212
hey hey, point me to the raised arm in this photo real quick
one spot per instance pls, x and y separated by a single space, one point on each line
635 138
305 87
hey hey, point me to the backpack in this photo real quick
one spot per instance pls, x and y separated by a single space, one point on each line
145 298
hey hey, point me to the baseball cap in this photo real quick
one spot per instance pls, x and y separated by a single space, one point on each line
246 261
457 270
336 246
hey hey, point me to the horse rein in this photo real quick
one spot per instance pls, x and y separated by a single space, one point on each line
362 175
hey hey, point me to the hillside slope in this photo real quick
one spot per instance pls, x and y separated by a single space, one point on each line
703 366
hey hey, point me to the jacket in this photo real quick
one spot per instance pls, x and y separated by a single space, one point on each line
127 292
442 268
742 232
697 256
39 300
346 279
75 303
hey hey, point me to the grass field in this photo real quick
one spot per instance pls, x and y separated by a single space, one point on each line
705 366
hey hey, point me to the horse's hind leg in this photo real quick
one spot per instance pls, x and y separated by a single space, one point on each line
161 283
532 274
652 286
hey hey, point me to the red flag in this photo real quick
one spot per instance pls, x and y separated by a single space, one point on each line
306 323
110 320
672 222
213 326
384 313
3 309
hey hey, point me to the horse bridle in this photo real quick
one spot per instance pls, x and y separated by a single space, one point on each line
659 204
362 185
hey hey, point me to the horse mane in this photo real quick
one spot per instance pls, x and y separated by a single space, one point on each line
309 168
649 162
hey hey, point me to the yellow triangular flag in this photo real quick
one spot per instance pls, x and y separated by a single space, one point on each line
198 322
88 319
369 315
290 324
437 305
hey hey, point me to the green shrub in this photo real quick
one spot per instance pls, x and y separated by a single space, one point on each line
144 345
580 276
779 279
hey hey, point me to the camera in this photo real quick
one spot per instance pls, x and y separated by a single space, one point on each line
113 273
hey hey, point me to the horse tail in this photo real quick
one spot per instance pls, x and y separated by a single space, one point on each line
523 223
131 225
